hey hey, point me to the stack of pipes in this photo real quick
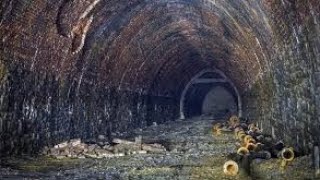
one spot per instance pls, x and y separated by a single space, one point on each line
253 144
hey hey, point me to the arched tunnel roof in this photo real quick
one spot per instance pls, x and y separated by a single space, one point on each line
152 47
162 44
126 63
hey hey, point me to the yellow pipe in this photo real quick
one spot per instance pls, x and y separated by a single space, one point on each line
230 168
234 120
242 151
216 129
287 156
241 136
237 130
249 139
251 146
240 131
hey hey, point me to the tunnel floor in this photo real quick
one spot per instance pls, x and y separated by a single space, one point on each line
193 153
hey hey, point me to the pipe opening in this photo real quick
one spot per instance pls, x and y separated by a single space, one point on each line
288 154
231 168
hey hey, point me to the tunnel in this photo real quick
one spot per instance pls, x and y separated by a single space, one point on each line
210 94
91 68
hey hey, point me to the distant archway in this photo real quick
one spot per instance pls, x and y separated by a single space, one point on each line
206 82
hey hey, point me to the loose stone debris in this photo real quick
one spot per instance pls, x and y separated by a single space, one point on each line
192 153
75 148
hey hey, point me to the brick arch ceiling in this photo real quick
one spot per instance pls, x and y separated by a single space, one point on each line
153 47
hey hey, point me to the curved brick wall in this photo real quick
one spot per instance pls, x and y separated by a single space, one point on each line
81 68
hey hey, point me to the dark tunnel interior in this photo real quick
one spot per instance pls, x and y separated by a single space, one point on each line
84 68
211 100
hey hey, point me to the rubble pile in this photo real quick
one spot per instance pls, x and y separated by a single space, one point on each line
252 144
75 148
